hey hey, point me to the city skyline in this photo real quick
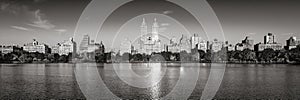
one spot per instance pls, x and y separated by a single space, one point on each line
51 26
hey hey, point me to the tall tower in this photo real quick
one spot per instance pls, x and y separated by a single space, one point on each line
144 30
269 39
155 28
84 43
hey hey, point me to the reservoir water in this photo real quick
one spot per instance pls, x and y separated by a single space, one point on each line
148 81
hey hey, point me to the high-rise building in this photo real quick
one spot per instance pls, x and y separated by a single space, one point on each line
84 43
6 49
197 42
292 42
173 46
216 45
269 39
35 46
149 43
125 47
101 49
185 44
247 43
65 47
269 43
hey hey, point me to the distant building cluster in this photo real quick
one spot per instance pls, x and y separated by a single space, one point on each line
269 42
65 47
292 42
150 43
88 48
35 46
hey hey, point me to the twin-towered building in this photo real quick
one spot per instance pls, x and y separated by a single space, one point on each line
149 41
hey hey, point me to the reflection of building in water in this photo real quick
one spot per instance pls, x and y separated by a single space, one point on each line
65 47
35 46
149 43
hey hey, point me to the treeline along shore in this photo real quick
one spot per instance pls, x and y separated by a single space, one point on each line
247 56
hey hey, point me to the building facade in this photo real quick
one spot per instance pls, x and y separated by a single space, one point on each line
269 39
261 47
84 44
216 45
125 47
198 43
6 49
149 42
269 43
35 46
185 44
291 43
65 47
247 43
173 46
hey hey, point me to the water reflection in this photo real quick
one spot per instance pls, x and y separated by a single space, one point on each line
38 81
58 81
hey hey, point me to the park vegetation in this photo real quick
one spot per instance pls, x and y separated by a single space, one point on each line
223 56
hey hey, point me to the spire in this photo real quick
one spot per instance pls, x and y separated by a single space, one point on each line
144 22
155 24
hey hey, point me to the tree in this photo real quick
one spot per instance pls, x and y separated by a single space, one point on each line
63 59
137 57
248 55
268 55
126 57
294 54
201 54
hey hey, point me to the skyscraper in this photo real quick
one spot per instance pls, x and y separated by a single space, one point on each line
84 43
269 39
155 28
269 43
149 43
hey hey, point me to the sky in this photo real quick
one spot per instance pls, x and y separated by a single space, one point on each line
53 21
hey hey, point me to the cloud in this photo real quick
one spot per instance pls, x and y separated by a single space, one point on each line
287 34
20 28
251 33
38 1
61 30
167 12
40 22
164 24
162 29
12 8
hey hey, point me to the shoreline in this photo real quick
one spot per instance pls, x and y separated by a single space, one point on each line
224 62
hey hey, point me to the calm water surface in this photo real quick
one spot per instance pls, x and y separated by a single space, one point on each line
72 81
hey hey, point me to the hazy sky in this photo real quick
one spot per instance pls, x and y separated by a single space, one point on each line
52 21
